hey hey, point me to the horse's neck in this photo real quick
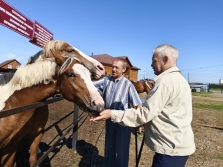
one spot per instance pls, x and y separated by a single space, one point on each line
30 95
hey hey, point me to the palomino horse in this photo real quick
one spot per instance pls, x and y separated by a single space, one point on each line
72 80
143 86
66 50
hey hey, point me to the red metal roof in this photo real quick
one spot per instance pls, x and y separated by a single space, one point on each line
7 62
108 60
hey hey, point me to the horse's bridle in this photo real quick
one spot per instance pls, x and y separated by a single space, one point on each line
148 85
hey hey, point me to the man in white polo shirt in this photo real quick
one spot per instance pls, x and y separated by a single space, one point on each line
166 113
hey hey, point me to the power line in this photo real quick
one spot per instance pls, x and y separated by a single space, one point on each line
202 75
198 68
202 68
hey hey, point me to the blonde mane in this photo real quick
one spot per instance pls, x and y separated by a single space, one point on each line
28 76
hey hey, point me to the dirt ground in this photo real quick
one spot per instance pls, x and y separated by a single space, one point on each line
207 126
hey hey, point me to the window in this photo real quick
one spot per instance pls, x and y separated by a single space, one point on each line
9 66
17 66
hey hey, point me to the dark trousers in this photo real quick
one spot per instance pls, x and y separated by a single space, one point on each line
117 141
161 160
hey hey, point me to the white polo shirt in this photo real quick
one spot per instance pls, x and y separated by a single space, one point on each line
166 115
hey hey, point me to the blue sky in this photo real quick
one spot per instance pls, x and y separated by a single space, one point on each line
130 28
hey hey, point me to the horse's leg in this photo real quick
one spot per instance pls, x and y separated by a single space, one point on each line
40 118
34 148
8 156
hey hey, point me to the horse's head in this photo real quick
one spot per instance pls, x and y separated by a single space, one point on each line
143 86
148 85
74 82
61 49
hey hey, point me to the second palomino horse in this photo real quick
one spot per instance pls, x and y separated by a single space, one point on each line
143 86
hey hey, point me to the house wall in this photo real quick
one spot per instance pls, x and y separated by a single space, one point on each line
108 70
133 75
13 64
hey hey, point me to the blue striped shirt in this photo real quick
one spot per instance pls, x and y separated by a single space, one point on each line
118 95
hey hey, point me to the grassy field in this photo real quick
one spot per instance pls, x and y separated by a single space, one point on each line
209 100
207 125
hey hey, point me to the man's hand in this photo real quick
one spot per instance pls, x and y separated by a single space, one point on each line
104 115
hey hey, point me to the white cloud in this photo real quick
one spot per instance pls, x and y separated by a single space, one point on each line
10 55
20 58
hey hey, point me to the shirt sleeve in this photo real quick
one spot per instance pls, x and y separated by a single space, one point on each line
152 107
99 84
134 99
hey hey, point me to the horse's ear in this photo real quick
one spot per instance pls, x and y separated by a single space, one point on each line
58 58
29 61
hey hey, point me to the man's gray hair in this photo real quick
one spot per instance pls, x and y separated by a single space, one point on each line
121 60
167 50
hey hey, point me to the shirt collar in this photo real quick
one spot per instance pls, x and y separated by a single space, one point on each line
118 79
169 70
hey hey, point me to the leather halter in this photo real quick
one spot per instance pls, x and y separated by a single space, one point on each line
148 85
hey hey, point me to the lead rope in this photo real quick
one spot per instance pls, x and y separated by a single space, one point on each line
143 140
136 146
140 151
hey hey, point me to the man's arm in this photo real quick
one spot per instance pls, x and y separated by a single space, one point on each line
134 97
139 128
138 106
132 117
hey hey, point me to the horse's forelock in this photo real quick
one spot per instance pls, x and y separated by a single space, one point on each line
52 46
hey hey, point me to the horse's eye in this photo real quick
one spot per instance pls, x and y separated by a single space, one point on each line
70 50
71 75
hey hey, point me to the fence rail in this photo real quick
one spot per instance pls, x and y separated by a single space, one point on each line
74 125
9 112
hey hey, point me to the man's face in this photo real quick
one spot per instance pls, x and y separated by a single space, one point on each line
157 64
117 69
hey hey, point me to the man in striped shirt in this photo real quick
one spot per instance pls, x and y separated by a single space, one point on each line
119 94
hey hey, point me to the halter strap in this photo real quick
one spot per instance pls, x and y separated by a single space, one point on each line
148 85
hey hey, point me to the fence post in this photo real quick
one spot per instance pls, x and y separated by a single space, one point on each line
74 136
221 87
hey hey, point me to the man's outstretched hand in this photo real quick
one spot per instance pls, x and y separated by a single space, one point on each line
104 115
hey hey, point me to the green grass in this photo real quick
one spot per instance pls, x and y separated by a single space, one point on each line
207 104
211 105
219 89
219 156
139 135
202 94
